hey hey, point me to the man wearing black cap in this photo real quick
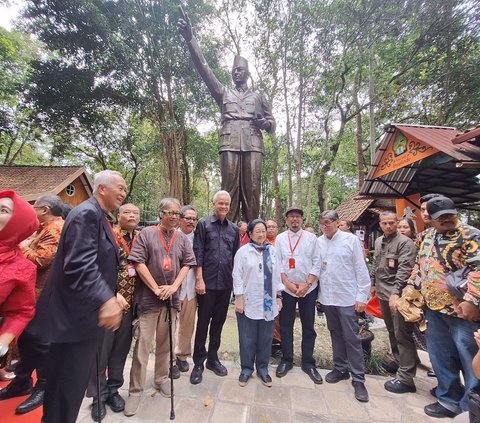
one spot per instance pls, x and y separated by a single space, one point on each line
452 317
299 257
244 114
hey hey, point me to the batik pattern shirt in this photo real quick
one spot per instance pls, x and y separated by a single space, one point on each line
126 283
459 248
41 249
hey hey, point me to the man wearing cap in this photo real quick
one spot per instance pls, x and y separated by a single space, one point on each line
425 217
299 257
452 320
40 249
244 114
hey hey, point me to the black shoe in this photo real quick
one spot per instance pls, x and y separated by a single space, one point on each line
183 365
313 374
361 393
266 379
398 387
103 411
15 389
283 368
196 375
116 402
336 376
438 410
174 373
433 392
34 401
243 379
216 367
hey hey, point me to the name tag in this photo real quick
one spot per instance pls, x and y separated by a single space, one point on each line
291 263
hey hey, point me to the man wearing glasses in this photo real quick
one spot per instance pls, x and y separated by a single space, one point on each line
344 288
188 299
162 257
298 254
452 318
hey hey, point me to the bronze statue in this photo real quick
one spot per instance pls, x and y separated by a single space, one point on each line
244 114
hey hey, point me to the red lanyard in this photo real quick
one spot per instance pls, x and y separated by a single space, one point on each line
292 250
164 242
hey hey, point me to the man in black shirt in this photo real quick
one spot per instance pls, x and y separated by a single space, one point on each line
215 244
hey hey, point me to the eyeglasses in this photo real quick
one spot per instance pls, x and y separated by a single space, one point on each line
190 219
171 213
327 223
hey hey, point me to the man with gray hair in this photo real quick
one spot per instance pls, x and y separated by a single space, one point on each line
215 244
78 302
188 298
162 257
344 288
40 249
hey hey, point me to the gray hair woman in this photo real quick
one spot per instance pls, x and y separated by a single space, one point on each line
257 287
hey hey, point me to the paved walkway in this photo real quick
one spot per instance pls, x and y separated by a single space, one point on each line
293 398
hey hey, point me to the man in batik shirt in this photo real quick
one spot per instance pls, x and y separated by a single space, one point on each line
451 320
116 345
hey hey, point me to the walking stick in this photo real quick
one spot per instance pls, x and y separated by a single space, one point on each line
98 387
170 336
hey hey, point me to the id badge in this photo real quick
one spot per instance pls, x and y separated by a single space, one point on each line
291 263
167 263
324 265
131 270
391 263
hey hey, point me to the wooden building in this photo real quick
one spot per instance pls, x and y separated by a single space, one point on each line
411 161
71 183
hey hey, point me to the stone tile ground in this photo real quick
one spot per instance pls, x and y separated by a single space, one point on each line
292 399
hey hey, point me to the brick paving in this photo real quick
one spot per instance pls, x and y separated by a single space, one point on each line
294 398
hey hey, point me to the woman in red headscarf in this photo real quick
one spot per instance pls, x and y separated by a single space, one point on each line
18 220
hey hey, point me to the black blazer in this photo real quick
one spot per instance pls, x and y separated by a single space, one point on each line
82 278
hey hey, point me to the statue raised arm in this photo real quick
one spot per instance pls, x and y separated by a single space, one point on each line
244 114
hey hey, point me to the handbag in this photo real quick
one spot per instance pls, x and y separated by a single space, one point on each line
457 280
410 304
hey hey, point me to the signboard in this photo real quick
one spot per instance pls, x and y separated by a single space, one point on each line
402 151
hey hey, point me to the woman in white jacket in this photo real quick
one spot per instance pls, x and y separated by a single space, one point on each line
257 287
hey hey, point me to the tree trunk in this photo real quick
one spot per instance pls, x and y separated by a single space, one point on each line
359 129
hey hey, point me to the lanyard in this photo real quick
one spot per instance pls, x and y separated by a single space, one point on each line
292 250
164 242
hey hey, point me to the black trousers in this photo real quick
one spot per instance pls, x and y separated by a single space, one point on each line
113 354
33 356
306 308
68 370
212 312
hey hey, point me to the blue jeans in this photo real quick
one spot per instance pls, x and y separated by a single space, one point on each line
451 347
306 309
255 338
